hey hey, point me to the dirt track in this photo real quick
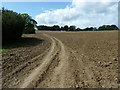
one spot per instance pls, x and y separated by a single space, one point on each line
64 60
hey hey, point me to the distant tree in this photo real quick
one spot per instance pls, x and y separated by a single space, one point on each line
66 28
42 27
78 29
102 27
86 29
62 29
114 27
56 28
94 29
89 29
72 28
108 27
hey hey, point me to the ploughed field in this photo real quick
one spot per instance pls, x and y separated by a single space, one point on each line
63 60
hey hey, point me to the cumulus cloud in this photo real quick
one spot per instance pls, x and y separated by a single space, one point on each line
81 14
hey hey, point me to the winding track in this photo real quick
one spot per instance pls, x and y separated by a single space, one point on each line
57 47
42 68
58 76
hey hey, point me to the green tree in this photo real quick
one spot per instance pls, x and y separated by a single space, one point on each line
12 25
108 27
66 28
114 27
62 29
78 29
30 24
56 28
72 28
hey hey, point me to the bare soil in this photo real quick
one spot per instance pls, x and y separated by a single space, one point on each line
63 60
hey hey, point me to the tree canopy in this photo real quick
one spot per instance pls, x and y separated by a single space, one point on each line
15 24
30 24
108 27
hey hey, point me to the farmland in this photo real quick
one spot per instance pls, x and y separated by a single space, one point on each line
87 59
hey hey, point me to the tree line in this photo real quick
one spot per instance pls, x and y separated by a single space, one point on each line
73 28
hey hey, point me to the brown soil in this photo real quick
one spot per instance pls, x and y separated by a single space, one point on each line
63 60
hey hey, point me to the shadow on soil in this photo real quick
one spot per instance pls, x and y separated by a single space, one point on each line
23 42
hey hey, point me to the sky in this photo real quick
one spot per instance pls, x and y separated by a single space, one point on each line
33 8
81 14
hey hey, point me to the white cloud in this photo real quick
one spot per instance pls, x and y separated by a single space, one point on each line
81 14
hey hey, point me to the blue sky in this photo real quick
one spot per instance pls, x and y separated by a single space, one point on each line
81 14
33 8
